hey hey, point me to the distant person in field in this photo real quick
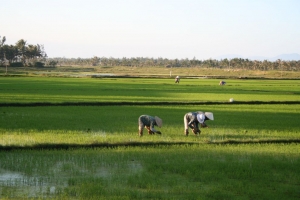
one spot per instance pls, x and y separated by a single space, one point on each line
193 119
177 79
222 83
148 122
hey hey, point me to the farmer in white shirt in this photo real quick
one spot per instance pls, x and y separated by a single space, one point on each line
177 79
149 122
193 119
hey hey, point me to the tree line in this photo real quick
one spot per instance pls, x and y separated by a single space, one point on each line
24 54
235 63
21 54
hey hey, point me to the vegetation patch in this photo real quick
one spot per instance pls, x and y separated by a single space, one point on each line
77 138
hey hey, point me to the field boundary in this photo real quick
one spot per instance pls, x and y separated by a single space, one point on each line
62 146
156 76
35 104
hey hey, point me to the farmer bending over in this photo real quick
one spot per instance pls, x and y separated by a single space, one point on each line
222 83
177 79
192 120
149 122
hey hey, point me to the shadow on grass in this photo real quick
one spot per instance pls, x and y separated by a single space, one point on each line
140 144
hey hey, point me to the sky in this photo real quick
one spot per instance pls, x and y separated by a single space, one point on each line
181 29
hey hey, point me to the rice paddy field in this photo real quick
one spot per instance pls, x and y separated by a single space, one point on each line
77 138
59 90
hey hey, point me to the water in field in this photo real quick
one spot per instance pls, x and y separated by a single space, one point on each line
59 177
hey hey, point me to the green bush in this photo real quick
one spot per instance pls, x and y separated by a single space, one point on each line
16 64
39 64
52 63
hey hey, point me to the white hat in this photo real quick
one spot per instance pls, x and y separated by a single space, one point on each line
209 115
201 118
158 121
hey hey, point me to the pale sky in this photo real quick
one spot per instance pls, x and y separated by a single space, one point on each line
154 28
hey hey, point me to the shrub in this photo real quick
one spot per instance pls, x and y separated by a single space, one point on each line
39 64
16 64
52 63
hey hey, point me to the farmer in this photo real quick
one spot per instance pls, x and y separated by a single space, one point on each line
177 79
192 120
149 122
222 83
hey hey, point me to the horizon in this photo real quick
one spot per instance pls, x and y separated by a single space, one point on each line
283 57
155 29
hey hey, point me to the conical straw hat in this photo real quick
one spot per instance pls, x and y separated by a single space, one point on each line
209 115
200 118
158 121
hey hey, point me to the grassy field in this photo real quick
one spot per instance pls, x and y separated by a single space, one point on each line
71 151
111 124
58 90
252 171
184 72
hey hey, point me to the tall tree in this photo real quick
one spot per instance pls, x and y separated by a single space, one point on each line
21 46
2 41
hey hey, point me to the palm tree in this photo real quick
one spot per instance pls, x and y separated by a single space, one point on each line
1 48
2 41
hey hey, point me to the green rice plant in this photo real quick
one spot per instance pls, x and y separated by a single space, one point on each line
205 171
250 151
59 90
26 126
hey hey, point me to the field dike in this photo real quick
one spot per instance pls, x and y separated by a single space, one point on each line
141 103
138 144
